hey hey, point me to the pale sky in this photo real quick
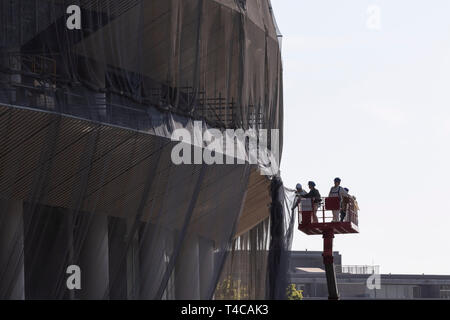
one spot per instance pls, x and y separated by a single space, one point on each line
372 106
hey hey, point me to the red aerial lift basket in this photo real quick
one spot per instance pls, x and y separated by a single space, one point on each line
332 204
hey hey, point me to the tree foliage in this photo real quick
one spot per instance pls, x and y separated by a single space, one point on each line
293 294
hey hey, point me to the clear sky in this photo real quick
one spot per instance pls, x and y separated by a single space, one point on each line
367 98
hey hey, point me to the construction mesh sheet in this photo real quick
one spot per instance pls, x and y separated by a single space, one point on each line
258 264
213 60
86 177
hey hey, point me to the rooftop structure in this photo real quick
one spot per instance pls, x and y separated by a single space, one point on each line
308 274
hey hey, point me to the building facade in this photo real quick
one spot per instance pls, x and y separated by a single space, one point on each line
90 95
306 272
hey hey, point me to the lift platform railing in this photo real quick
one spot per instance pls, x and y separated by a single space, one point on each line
327 217
327 211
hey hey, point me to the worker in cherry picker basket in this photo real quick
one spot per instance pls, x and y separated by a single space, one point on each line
339 192
316 198
349 204
299 193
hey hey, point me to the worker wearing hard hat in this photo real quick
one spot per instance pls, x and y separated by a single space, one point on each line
349 205
338 192
316 198
299 193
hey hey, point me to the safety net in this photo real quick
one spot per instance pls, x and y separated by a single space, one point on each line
91 93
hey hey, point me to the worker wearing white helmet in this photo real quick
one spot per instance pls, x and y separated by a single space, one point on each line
339 192
299 192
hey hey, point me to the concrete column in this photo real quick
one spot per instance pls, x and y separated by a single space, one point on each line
123 260
206 261
94 260
12 280
132 262
47 252
187 270
117 230
156 245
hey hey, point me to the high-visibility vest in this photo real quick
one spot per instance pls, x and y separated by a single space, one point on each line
334 194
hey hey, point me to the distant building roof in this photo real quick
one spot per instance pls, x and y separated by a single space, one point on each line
310 270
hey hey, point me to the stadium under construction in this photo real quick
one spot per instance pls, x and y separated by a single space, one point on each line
86 177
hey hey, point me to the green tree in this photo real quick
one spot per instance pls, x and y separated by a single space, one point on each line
293 294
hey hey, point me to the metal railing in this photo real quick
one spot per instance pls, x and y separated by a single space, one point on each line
33 80
358 269
327 211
